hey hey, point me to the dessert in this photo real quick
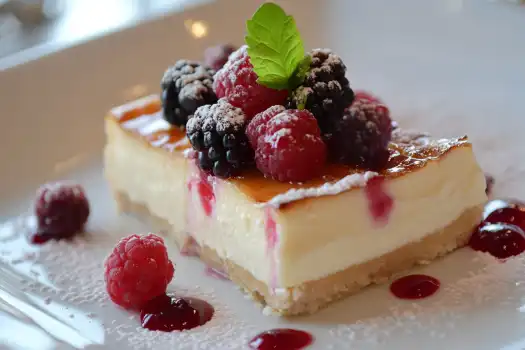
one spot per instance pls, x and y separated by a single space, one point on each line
296 232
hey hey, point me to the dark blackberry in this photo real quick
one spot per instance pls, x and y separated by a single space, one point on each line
217 133
361 136
186 86
325 91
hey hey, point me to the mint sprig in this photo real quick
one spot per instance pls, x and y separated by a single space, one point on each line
275 48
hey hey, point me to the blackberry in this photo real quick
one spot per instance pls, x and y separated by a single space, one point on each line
217 133
325 91
186 86
362 135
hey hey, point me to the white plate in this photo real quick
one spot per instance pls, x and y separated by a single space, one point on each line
451 67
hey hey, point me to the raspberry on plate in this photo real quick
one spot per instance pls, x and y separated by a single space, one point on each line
137 270
216 56
216 132
185 87
61 209
237 82
362 135
290 147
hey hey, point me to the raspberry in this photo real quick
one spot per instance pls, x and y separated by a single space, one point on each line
137 270
185 87
237 82
217 133
291 148
325 91
361 137
216 56
62 210
364 95
257 126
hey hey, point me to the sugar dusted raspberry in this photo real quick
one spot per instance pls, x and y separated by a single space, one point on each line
257 126
216 56
237 82
137 270
61 209
291 148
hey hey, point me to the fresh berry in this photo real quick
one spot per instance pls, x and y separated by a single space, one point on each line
237 82
365 95
216 56
61 209
217 133
362 135
186 86
325 91
291 148
137 270
257 125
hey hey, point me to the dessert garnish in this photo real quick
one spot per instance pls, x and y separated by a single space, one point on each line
216 56
186 86
137 270
281 339
61 209
414 286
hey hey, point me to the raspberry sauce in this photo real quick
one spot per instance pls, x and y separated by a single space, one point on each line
205 191
281 339
502 232
414 286
380 203
168 313
40 237
216 273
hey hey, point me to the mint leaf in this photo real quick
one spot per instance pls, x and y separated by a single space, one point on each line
274 46
300 72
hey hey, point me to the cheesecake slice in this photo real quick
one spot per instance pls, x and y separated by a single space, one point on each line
297 247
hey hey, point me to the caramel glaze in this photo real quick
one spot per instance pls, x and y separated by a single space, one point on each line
408 152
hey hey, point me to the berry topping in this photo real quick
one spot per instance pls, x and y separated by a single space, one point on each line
291 148
362 135
62 210
325 91
216 56
257 125
137 270
237 82
217 133
185 87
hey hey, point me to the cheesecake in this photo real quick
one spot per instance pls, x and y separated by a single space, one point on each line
297 246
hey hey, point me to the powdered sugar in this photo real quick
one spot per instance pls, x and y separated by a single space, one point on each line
221 116
275 137
326 189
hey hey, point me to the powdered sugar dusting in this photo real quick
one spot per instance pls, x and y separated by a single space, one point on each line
327 189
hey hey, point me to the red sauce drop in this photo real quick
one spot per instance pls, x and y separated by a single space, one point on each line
380 203
271 229
502 232
281 339
205 191
168 313
40 237
216 273
414 286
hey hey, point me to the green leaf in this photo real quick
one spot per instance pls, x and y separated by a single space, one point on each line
300 72
274 46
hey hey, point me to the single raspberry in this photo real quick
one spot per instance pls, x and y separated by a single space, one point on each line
325 91
137 270
362 135
291 148
61 209
186 86
237 82
257 125
216 56
217 133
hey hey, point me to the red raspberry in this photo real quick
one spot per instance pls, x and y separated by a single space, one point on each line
291 148
137 270
216 56
62 209
364 95
237 81
257 126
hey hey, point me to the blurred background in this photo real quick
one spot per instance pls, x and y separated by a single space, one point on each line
28 23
